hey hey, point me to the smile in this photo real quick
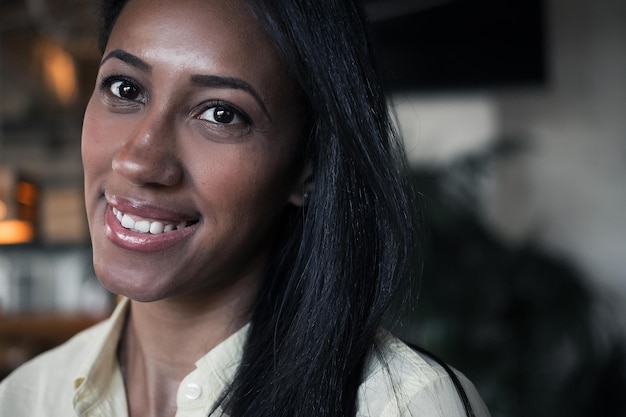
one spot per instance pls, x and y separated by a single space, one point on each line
141 225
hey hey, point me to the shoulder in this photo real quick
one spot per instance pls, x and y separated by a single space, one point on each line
48 378
399 381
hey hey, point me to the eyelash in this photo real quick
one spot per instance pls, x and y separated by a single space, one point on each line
107 82
227 107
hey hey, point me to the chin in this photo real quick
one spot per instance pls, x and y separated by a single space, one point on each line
138 288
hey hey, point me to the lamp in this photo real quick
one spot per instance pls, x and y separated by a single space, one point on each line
18 208
59 71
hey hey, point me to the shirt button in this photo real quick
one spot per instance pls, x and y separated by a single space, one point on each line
193 391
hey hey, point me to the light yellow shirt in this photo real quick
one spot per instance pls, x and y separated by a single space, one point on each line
82 378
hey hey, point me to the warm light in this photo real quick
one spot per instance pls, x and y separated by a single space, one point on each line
16 231
26 193
18 208
59 71
4 210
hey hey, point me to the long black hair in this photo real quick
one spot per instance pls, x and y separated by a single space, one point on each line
342 258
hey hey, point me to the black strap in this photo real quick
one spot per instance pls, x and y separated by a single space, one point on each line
469 412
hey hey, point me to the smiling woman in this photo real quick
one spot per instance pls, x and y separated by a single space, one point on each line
183 132
247 198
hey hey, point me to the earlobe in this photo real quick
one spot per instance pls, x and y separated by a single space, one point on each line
303 189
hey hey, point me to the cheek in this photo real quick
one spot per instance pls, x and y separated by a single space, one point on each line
94 140
89 136
246 179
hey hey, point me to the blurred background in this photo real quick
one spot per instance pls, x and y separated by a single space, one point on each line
514 117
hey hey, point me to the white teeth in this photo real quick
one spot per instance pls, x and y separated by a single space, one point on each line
142 226
146 226
128 222
156 228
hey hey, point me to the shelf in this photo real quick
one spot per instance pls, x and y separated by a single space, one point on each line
25 336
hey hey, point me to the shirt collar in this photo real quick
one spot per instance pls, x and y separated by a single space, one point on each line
100 361
204 387
214 371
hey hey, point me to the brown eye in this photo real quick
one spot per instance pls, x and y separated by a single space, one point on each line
125 89
221 114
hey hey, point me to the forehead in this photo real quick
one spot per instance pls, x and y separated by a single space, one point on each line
214 35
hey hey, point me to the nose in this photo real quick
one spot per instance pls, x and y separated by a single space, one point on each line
148 155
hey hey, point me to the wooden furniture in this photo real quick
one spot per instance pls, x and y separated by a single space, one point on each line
25 336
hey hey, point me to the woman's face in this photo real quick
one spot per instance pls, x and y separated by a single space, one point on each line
190 148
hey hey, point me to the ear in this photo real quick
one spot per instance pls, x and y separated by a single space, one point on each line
303 188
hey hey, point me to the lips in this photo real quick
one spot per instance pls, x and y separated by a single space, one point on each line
142 228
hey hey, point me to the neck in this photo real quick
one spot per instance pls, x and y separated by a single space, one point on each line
164 339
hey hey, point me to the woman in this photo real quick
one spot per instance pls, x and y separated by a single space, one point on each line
246 196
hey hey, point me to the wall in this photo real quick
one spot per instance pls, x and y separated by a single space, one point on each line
574 178
567 192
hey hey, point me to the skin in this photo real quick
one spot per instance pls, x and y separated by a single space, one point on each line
156 147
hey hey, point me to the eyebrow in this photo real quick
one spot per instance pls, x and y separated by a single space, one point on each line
196 79
229 82
129 59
